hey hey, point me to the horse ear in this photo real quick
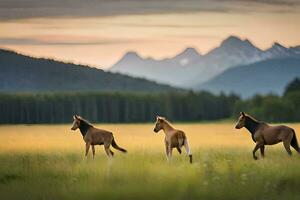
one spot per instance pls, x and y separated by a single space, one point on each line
161 118
74 116
77 117
243 114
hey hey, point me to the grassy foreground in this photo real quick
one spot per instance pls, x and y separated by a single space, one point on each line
46 162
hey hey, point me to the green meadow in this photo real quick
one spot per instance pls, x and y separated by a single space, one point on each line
47 162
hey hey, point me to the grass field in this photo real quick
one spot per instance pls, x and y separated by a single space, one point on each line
47 162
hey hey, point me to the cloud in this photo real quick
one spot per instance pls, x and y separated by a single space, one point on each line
20 9
165 25
268 2
196 36
34 42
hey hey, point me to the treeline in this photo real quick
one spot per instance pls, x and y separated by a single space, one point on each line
272 108
143 107
114 107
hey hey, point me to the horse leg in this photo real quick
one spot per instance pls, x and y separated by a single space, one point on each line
294 142
87 148
257 146
262 151
167 150
170 151
107 150
112 153
93 151
286 144
296 147
178 149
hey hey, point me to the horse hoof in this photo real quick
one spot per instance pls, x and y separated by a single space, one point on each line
191 159
255 158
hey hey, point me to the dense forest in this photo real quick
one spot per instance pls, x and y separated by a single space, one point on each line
143 107
113 107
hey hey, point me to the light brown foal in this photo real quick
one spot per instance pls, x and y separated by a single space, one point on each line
94 136
173 138
264 134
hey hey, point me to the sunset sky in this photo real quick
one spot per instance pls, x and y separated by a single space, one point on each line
99 32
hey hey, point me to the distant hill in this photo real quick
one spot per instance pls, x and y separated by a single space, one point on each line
24 73
190 68
269 76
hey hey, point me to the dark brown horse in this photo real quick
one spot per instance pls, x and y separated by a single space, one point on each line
94 136
264 134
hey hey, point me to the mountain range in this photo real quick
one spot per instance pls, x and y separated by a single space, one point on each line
263 77
236 66
20 73
190 69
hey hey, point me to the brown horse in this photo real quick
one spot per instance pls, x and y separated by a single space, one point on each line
174 138
264 134
94 136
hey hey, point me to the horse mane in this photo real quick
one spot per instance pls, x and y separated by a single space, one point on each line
249 116
84 126
167 122
252 124
85 122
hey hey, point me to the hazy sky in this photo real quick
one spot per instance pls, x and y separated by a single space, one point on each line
99 32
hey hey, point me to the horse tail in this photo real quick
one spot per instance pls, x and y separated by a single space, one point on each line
114 144
187 148
294 142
